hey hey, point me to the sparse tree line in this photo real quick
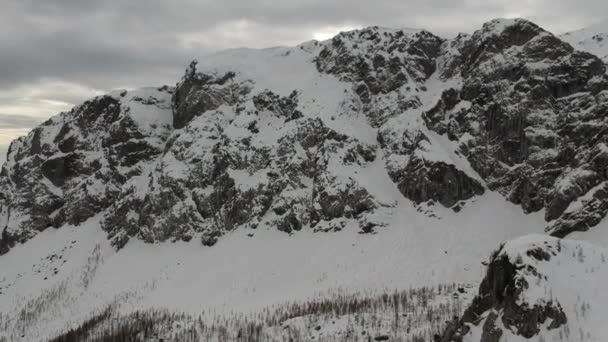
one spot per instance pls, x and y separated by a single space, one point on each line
412 315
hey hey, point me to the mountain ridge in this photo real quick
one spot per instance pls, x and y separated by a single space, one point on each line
376 137
390 72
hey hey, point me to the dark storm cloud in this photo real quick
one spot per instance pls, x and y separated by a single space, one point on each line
99 45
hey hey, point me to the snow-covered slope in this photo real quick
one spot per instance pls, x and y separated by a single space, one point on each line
62 277
593 39
376 161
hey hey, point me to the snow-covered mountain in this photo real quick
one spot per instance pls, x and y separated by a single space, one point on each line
593 39
290 192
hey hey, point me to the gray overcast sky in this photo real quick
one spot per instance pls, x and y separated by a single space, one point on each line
56 53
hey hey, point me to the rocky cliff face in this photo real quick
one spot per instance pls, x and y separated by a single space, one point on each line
72 166
299 142
531 120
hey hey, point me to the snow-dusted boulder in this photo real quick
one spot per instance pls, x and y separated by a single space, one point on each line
538 287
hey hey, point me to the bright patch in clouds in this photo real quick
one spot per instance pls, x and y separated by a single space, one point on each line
513 15
9 134
25 106
44 98
240 33
329 32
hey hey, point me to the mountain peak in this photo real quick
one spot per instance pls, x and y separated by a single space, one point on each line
500 24
516 31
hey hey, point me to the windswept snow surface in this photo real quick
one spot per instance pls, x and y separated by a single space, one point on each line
593 39
285 69
246 271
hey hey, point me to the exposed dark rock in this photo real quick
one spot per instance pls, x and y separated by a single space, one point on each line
589 214
499 296
289 223
59 170
282 106
422 181
379 62
65 171
530 107
578 183
490 333
198 93
338 204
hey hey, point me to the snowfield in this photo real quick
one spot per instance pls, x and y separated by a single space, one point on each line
244 273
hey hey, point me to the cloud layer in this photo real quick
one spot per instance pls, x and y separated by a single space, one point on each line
55 53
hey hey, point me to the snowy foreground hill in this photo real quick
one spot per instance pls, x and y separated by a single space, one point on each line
593 39
384 185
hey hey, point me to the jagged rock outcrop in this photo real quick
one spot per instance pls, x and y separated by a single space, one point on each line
382 64
583 214
381 60
504 301
530 117
420 171
207 182
198 93
72 166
